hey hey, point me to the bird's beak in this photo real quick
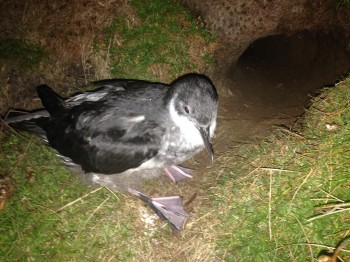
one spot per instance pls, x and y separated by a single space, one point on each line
206 139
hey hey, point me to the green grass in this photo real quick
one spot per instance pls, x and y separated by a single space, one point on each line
32 225
27 55
158 42
273 200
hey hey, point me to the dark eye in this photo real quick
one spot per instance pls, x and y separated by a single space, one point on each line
187 110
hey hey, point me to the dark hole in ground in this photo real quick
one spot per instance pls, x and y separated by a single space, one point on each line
277 75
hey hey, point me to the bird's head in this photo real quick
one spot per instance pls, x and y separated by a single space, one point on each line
194 100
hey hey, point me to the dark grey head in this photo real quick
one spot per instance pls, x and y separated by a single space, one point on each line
194 101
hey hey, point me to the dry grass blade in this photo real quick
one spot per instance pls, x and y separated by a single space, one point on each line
21 157
330 195
307 239
292 133
337 208
312 245
113 193
275 169
52 211
78 199
196 221
270 206
96 209
300 186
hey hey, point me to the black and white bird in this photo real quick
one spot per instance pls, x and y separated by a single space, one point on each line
128 125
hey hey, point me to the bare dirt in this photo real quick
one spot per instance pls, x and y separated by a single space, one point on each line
274 80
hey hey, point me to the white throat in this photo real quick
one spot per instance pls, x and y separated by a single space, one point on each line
190 132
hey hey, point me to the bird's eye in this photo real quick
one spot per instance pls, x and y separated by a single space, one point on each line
187 109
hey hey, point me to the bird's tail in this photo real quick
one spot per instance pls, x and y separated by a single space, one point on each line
27 121
34 121
20 116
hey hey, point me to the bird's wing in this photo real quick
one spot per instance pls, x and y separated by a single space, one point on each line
105 140
107 88
106 130
92 96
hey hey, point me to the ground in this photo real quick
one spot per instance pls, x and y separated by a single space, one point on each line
266 68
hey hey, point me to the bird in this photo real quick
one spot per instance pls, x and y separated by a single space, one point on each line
127 125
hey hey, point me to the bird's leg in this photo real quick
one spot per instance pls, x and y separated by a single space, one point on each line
178 173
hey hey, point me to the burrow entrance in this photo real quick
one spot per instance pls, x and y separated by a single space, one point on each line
282 72
276 76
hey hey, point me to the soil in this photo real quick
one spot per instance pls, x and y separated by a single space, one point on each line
273 82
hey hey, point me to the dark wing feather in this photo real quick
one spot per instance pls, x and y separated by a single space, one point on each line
103 138
101 130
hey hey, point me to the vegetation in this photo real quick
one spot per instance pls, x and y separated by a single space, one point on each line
27 55
345 3
157 44
36 223
285 198
289 199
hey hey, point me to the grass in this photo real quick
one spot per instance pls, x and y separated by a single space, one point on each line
27 55
157 46
37 223
284 202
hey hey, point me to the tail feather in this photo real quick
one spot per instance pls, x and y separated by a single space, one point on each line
35 122
28 121
29 126
19 116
